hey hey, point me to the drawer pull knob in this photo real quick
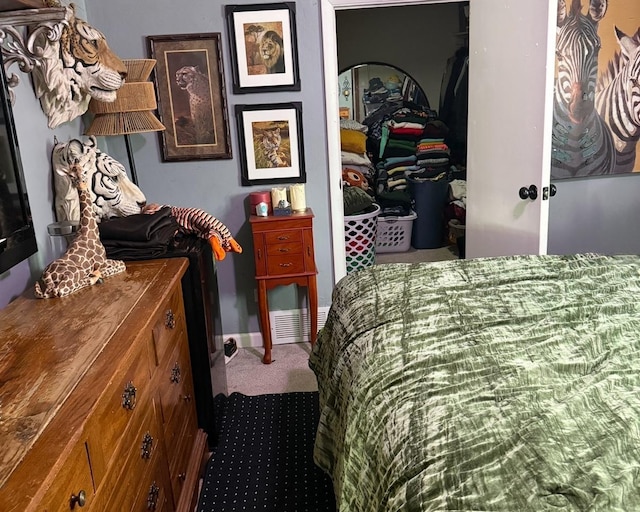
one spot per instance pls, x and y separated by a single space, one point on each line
182 476
78 499
284 249
187 398
282 237
129 396
152 497
175 374
147 444
286 264
170 320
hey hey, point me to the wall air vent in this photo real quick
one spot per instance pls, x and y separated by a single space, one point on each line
292 326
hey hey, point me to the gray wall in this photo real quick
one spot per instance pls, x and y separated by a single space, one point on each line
213 185
586 215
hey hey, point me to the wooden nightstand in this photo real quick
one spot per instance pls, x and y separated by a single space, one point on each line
283 251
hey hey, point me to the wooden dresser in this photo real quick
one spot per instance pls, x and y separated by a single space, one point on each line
96 398
283 253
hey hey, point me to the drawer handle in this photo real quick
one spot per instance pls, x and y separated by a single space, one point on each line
152 497
259 254
147 444
187 398
129 396
284 249
175 374
170 320
182 476
286 264
283 237
80 499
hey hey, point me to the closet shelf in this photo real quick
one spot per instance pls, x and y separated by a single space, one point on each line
19 31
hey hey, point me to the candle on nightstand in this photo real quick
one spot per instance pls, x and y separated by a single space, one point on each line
278 194
298 201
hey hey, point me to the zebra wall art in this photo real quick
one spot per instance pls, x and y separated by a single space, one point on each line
618 100
582 144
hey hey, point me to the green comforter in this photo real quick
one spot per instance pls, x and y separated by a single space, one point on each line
491 384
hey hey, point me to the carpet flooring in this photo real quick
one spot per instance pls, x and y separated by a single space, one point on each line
263 459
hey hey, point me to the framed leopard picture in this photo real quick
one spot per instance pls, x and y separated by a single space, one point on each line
192 101
271 144
263 45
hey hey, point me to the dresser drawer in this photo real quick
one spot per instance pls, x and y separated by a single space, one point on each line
167 326
119 411
72 483
138 452
285 264
155 493
173 381
180 435
285 236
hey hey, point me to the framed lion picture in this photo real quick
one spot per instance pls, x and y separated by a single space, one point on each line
263 47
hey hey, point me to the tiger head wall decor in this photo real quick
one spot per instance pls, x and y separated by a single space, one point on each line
113 194
77 65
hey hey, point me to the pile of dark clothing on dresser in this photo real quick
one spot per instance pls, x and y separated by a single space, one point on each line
144 236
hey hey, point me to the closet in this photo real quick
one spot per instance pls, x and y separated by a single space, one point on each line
403 74
511 63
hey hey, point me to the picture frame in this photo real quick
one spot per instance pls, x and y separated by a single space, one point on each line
264 49
271 143
192 101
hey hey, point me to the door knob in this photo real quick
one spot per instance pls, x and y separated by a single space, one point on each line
528 193
552 190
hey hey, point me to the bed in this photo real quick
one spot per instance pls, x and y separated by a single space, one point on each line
508 384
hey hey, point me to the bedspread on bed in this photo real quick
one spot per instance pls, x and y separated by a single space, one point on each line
491 384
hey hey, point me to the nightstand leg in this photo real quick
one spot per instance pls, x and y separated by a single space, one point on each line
265 325
313 306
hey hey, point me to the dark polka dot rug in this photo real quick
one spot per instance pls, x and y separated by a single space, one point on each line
263 459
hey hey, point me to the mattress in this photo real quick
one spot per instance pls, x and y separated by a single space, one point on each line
490 384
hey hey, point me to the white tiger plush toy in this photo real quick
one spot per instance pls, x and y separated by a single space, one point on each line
112 192
77 65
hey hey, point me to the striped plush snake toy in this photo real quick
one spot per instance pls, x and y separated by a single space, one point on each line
204 225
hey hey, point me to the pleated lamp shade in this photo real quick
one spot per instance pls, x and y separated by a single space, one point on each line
132 111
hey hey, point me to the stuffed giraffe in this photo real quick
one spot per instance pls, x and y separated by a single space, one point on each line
85 263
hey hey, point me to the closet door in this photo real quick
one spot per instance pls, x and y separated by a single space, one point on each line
511 65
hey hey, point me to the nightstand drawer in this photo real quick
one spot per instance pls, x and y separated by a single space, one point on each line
285 264
284 248
285 236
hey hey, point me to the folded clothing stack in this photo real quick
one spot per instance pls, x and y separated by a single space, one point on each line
140 236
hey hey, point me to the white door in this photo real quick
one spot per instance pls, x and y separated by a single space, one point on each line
511 64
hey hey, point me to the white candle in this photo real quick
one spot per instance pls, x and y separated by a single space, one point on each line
298 202
278 194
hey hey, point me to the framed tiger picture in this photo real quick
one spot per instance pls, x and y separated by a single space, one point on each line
263 45
271 143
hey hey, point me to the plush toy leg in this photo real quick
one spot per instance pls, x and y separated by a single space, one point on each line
216 246
235 246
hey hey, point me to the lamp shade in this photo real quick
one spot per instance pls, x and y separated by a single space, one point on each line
132 110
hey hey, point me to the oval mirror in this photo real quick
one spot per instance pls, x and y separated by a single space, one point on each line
366 87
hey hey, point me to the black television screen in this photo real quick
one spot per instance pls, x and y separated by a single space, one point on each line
17 237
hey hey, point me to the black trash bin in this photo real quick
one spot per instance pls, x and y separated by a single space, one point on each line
430 197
